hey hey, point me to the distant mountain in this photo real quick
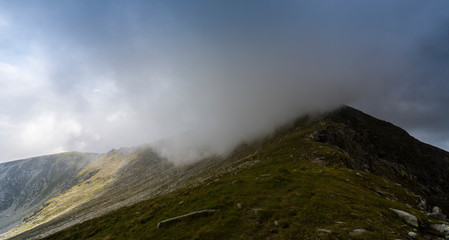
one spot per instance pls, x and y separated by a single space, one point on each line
26 184
337 175
110 181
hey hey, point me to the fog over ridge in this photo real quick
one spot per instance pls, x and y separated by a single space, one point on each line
91 76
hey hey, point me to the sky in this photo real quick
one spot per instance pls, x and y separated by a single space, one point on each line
198 77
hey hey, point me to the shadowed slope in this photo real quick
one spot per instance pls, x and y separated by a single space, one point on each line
387 150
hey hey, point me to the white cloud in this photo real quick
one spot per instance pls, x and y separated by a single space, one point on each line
38 116
120 115
76 79
48 131
27 81
45 133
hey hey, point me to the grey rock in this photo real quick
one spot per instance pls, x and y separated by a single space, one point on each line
437 214
444 228
407 217
324 230
256 210
422 203
178 218
357 231
412 234
436 210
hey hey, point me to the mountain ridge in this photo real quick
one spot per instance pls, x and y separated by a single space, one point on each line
345 141
28 183
392 153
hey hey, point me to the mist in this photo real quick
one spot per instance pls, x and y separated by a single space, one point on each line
196 78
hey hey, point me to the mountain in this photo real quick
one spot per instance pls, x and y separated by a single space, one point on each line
27 184
381 148
112 180
336 175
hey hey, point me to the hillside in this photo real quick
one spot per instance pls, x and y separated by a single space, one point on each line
386 150
113 180
26 184
320 177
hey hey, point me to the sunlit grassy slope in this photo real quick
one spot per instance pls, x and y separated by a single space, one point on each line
284 187
25 185
88 183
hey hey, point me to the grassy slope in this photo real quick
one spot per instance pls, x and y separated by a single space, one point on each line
284 182
121 179
37 180
89 182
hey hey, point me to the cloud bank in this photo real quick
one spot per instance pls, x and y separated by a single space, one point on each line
206 75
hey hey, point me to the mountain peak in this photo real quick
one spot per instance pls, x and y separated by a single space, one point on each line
387 150
304 179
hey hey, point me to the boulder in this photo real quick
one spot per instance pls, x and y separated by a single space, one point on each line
437 214
407 217
444 228
357 231
422 203
412 234
178 218
324 230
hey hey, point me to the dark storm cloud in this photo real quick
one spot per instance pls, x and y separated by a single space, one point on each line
420 98
210 74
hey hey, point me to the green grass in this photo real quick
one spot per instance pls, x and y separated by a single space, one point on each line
283 195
